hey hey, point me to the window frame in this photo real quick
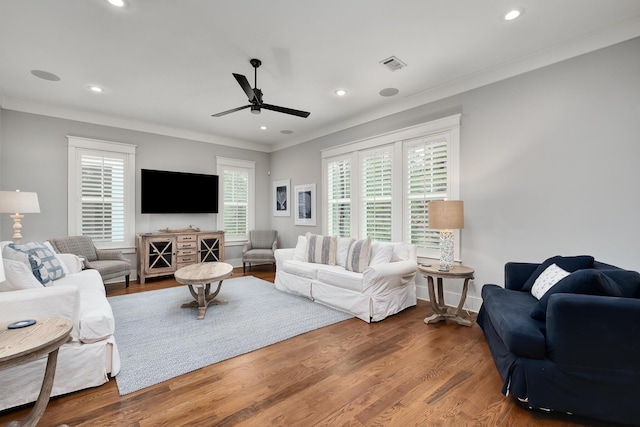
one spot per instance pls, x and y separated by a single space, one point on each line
448 127
228 164
77 146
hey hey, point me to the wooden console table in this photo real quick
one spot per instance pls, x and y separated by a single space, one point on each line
23 345
440 310
161 254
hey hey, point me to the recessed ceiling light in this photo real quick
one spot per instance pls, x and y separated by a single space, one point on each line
513 14
117 3
96 89
340 92
263 127
286 132
45 75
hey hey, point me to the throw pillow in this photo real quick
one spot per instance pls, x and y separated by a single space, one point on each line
568 263
342 250
381 253
321 249
549 277
359 255
300 252
587 282
43 262
19 276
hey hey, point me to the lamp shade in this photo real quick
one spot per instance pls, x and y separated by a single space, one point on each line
446 214
19 202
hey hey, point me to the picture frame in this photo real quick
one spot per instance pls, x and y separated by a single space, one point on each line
282 197
305 204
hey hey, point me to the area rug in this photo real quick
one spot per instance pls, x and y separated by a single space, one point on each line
159 340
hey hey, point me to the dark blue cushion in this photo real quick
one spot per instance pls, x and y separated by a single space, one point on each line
568 263
615 283
507 309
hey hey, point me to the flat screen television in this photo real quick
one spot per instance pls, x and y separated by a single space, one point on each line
166 192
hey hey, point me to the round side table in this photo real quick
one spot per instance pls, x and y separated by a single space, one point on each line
30 343
440 310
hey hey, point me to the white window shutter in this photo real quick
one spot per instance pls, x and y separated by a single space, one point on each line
376 185
236 202
339 197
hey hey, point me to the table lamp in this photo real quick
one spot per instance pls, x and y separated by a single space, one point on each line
16 203
445 215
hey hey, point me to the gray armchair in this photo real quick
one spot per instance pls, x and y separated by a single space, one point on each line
260 248
109 263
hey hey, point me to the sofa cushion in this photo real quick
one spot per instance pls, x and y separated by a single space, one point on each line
18 276
301 268
507 309
570 264
381 253
615 283
552 275
300 252
359 255
321 249
341 278
43 262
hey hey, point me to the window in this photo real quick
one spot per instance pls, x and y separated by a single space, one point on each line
236 217
101 192
339 197
398 174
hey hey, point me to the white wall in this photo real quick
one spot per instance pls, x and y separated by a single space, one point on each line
548 165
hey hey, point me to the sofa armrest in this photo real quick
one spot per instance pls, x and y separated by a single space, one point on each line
593 331
282 255
110 255
517 273
63 301
381 277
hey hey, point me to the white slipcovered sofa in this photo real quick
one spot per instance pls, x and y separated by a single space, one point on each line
90 355
386 284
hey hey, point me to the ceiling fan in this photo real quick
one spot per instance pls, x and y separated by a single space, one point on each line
255 96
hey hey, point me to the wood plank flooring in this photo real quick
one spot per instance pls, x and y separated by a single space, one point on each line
398 372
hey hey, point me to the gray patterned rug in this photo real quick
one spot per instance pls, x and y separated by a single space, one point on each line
159 340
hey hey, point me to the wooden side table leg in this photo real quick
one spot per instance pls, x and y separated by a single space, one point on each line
463 297
45 392
435 305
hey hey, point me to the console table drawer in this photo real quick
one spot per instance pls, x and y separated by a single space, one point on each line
187 238
186 259
188 251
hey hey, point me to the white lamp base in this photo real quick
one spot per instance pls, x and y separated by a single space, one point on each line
17 227
446 250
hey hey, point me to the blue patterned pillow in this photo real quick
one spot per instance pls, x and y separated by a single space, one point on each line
42 261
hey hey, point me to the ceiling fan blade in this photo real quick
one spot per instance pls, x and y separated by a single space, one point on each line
244 84
224 113
291 111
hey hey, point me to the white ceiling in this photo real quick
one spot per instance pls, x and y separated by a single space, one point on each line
167 65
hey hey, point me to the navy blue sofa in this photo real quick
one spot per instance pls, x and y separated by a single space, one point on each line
577 349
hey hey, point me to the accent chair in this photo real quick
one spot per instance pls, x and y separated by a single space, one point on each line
260 248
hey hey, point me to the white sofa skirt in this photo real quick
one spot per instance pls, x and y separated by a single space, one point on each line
79 366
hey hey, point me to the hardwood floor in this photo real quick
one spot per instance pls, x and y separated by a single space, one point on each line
398 372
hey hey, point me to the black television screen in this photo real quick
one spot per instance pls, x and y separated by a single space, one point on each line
165 192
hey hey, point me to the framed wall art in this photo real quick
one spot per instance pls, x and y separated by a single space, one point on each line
305 199
281 197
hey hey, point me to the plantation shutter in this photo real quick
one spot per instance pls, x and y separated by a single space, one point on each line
376 194
102 196
236 202
339 197
426 179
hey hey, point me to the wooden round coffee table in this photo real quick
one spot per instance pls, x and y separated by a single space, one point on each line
201 276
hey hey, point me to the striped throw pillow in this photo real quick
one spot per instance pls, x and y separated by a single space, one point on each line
358 256
321 249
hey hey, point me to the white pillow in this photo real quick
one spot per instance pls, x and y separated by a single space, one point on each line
342 249
65 269
549 277
300 254
381 253
19 276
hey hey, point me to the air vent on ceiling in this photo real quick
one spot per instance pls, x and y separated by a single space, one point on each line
393 63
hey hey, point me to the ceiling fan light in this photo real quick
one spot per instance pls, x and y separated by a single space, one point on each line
255 109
